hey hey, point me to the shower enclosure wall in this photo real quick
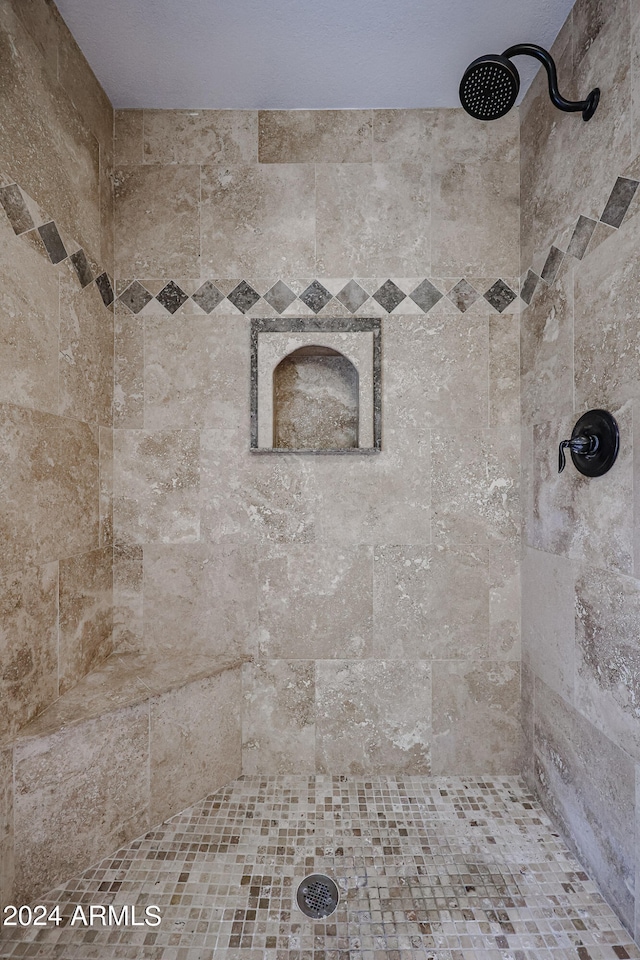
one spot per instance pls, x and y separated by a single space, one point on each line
367 608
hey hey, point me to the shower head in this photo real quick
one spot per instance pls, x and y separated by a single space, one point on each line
490 85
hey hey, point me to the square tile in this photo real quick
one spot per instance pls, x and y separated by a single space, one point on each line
389 295
208 296
172 297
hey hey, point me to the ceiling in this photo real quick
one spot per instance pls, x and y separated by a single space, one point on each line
296 54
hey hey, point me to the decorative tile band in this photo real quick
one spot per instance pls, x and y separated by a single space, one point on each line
315 298
615 210
26 217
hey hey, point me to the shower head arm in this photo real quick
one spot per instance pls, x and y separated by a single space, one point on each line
588 106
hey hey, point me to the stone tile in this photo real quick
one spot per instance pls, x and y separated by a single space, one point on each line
314 136
81 266
546 352
53 242
476 717
580 517
86 352
84 90
280 297
50 495
135 297
619 200
500 296
404 135
504 371
30 315
373 716
574 175
529 286
436 372
243 297
426 296
258 220
385 499
195 742
128 597
200 598
67 184
208 296
156 220
505 600
315 600
475 485
587 786
431 603
6 826
581 237
128 138
80 794
28 644
46 28
200 136
373 219
86 615
128 391
608 655
606 353
527 708
278 717
476 190
552 265
389 296
196 372
246 497
16 209
156 486
172 297
315 296
105 439
463 295
106 197
601 233
548 613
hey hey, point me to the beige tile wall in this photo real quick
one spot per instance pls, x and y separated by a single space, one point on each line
56 383
355 584
581 652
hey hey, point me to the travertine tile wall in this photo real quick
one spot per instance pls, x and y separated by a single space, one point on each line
580 577
378 598
56 380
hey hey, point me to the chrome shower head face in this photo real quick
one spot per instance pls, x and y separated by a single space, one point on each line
489 87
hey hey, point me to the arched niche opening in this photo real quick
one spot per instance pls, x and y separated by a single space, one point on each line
315 400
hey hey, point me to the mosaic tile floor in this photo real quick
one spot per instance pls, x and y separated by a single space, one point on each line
440 868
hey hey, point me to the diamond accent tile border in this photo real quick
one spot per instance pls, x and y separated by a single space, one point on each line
428 868
315 296
25 216
615 210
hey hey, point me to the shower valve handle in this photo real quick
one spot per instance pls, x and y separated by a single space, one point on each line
585 445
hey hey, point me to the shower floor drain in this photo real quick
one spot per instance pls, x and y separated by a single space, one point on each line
317 896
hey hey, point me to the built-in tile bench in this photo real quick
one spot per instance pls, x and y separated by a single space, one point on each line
133 743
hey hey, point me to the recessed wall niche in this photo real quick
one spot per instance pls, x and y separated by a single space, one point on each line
315 385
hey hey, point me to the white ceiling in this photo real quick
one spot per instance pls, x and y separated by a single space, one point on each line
296 54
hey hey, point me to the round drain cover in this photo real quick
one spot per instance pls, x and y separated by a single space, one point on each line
317 896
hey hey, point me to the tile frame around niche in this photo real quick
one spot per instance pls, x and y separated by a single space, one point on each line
371 325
